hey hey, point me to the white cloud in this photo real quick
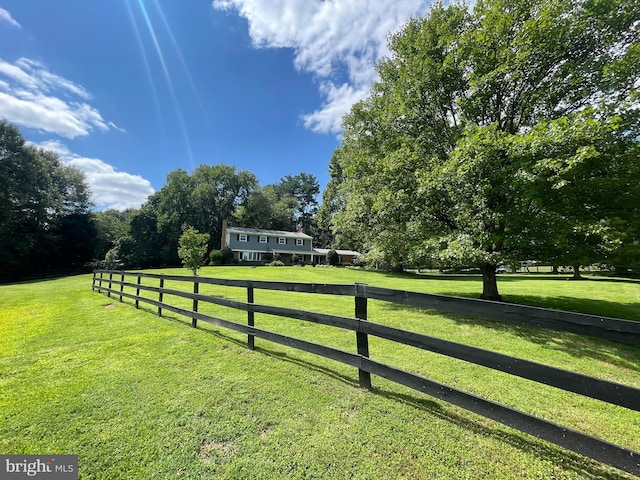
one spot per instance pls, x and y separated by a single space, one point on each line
6 17
339 100
328 37
110 188
32 96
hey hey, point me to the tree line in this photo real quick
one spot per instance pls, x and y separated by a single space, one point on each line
47 221
202 200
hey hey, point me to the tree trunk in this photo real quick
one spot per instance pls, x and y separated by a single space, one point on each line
489 283
555 270
576 273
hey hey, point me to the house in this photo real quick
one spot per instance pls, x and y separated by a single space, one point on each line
251 244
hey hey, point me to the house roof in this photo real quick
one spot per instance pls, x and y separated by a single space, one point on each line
324 251
272 233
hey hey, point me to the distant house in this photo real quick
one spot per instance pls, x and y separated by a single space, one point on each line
251 244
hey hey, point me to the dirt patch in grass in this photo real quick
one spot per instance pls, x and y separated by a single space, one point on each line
215 452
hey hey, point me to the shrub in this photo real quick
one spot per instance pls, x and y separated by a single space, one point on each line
215 257
332 257
112 260
359 262
268 257
276 263
295 259
226 255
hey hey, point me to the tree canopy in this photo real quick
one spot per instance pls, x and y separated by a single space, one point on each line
497 133
206 197
45 221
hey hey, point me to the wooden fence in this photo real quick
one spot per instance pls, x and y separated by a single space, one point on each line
113 283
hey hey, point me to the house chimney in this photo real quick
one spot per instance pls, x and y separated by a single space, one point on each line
223 240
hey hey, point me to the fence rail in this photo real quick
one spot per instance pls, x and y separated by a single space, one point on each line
612 329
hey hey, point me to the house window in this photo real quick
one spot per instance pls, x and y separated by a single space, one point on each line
299 241
242 238
250 256
263 239
282 241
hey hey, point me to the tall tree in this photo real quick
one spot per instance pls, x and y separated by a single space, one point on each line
442 161
203 199
44 208
218 191
333 202
304 188
266 209
289 204
110 225
172 208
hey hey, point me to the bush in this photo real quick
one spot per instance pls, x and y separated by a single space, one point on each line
359 262
295 259
268 257
112 260
226 255
276 263
333 258
215 257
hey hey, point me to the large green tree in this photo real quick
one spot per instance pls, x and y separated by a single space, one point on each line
266 208
110 225
203 200
44 208
218 191
333 202
304 188
452 159
290 204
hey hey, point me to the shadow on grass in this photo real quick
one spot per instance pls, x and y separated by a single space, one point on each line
556 455
627 311
510 277
566 459
283 356
625 356
222 336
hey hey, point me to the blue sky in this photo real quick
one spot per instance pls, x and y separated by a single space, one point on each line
130 90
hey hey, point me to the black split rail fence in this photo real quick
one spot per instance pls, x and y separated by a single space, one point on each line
122 284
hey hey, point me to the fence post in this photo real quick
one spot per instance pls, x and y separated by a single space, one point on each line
160 295
121 284
93 283
194 321
138 290
110 284
100 282
250 317
362 339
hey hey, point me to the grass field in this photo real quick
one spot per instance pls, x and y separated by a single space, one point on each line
138 396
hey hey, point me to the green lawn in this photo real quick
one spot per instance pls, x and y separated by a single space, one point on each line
138 396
